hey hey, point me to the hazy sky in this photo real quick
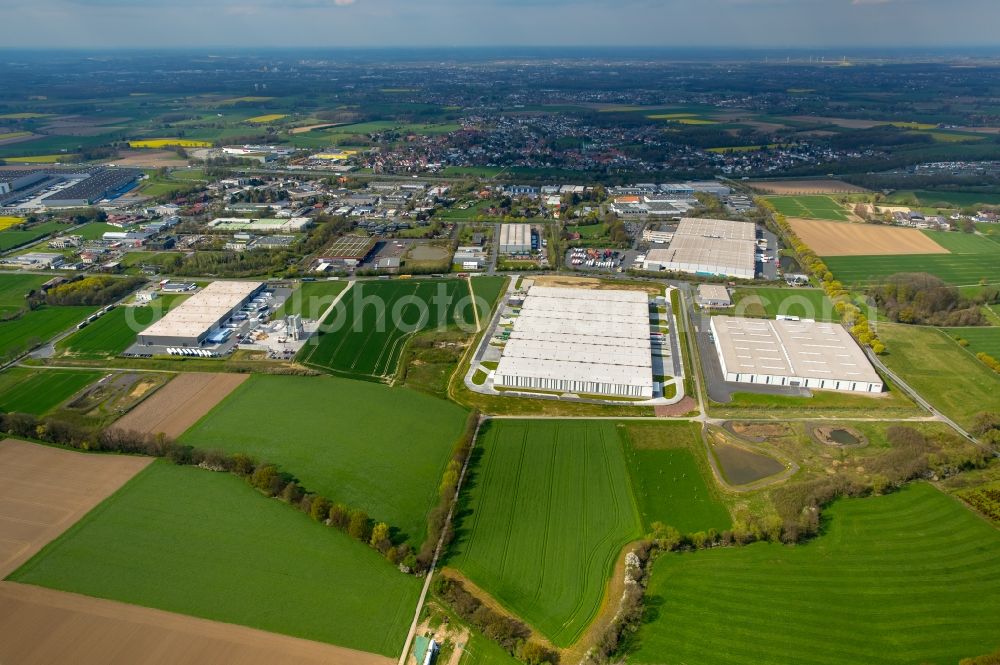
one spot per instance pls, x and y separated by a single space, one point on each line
249 23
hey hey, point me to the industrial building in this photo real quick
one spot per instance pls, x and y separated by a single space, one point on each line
713 296
580 341
515 238
794 353
711 247
103 183
198 318
257 225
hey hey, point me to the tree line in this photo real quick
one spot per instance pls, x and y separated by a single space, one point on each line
94 290
513 636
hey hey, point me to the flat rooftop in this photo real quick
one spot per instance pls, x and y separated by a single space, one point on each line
202 311
806 349
581 335
712 246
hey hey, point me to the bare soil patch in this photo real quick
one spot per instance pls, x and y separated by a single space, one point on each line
150 159
850 239
19 139
41 626
683 407
847 123
44 491
758 432
309 128
592 283
181 403
804 187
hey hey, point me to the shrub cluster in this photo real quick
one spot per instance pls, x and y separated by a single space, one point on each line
631 606
512 635
921 298
93 290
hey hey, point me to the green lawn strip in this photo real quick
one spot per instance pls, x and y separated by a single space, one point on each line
956 269
772 302
984 339
965 243
907 578
809 207
36 392
40 325
372 447
115 331
15 286
208 545
489 289
547 511
672 482
312 299
945 374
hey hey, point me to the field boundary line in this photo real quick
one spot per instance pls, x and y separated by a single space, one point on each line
407 645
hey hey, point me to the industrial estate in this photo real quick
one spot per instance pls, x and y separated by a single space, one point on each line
476 358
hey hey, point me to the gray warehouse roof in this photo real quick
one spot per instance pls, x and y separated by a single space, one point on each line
804 349
711 246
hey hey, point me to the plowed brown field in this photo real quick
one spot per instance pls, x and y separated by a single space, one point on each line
44 491
181 403
802 187
41 627
849 239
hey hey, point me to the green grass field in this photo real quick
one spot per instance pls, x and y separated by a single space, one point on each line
945 374
547 512
14 287
207 544
964 243
770 302
956 269
489 289
367 334
38 391
114 332
372 447
311 299
809 207
912 577
927 198
983 339
95 230
670 486
12 239
39 325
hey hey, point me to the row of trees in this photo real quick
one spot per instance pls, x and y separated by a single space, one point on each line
437 520
512 635
850 314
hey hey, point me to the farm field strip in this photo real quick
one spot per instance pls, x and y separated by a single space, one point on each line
178 405
40 325
801 187
965 243
24 390
370 446
115 331
768 301
38 623
809 207
945 374
981 339
956 269
169 538
904 578
833 239
550 509
369 345
44 490
15 286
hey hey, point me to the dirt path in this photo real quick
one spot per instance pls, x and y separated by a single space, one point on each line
181 403
40 626
45 490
